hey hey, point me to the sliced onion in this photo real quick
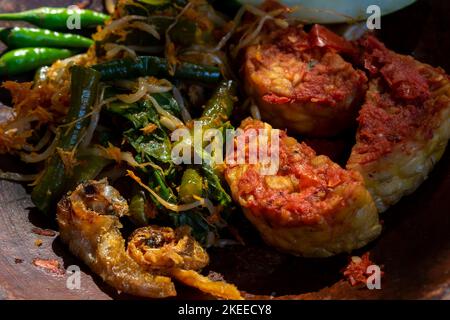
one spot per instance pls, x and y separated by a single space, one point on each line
184 111
158 86
116 24
169 44
168 123
136 96
113 153
205 203
247 38
236 23
145 86
113 50
94 120
254 110
34 157
128 158
151 29
166 114
42 143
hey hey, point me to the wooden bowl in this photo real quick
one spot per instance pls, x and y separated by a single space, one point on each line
414 247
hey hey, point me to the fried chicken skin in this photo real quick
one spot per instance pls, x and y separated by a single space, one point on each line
300 81
176 253
311 207
404 124
88 220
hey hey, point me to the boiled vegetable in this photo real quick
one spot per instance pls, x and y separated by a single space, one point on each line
52 184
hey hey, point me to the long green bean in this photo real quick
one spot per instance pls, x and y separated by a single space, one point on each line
52 184
157 67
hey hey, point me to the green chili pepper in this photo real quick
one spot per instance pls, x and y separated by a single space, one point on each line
27 59
191 185
218 109
32 37
58 18
217 112
52 185
157 67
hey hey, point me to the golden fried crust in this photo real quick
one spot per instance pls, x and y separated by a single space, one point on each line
162 248
307 90
219 289
310 207
404 124
89 224
95 239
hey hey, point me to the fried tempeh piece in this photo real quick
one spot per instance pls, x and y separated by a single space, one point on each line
311 207
301 82
404 124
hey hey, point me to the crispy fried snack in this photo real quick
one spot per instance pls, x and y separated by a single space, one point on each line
162 248
218 289
89 223
311 207
302 86
404 124
177 254
88 219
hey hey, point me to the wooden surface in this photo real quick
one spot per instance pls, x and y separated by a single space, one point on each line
414 247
